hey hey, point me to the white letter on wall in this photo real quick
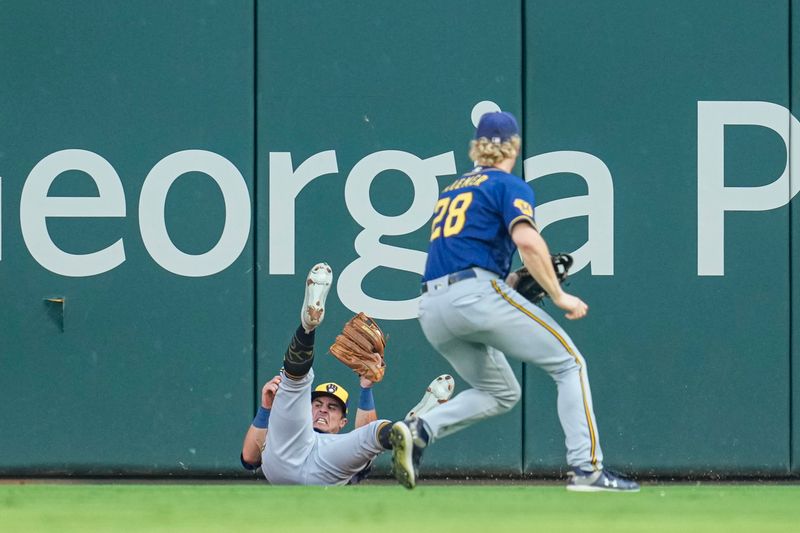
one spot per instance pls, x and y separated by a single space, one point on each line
35 206
285 183
597 205
237 213
372 253
713 197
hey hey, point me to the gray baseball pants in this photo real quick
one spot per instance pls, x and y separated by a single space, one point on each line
474 324
297 455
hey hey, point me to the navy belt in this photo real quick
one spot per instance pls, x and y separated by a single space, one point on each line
455 277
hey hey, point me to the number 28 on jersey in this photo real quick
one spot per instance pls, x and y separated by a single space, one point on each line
450 215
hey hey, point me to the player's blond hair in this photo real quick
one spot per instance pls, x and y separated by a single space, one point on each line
485 153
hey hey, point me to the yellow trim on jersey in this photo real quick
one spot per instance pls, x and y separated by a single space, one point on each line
565 344
520 219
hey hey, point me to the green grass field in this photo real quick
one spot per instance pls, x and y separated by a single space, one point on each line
386 508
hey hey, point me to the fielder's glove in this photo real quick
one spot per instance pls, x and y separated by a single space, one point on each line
527 286
360 346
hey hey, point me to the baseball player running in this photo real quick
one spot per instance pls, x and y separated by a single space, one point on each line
474 318
305 446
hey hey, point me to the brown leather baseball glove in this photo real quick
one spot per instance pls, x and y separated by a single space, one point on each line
360 346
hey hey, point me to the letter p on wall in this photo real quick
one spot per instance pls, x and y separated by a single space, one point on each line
713 197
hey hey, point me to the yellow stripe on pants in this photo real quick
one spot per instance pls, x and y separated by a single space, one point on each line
569 349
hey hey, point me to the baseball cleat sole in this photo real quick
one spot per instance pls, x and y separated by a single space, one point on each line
318 284
438 392
402 455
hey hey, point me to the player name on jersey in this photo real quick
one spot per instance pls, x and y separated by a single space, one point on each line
467 181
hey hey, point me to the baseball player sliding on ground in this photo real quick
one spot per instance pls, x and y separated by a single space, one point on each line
295 437
474 318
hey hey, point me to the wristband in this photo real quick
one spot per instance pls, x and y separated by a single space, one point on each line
261 421
366 402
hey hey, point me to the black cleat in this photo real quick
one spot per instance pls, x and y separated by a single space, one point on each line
599 481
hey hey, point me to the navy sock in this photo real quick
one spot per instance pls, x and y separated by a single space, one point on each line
383 435
306 339
423 432
299 355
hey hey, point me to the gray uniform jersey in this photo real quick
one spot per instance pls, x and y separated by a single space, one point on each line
297 455
473 323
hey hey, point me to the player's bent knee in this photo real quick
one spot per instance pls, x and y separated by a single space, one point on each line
509 397
570 364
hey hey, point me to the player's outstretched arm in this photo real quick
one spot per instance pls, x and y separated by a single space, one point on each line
536 258
366 412
256 437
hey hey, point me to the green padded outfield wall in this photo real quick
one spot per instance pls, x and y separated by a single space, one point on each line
689 372
376 98
794 218
227 147
145 370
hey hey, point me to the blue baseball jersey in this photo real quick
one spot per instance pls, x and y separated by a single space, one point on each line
472 222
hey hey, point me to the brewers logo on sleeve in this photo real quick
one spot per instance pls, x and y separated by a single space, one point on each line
524 207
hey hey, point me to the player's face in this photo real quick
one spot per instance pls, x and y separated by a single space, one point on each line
327 415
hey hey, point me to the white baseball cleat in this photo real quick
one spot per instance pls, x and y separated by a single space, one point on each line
318 284
439 391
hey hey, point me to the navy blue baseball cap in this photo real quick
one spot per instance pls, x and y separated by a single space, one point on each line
497 126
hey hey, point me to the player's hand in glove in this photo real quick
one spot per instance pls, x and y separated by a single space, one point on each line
525 284
360 346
